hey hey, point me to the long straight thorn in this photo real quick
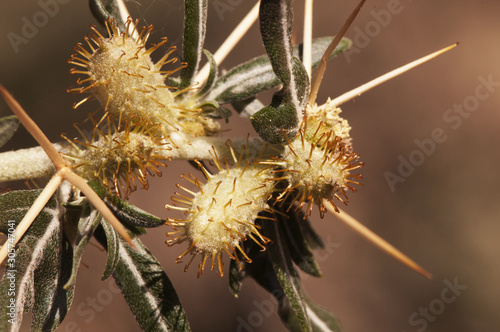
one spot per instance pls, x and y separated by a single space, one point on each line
32 128
376 240
324 59
307 39
62 171
390 75
32 213
124 16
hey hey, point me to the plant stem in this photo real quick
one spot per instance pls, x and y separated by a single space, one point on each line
200 147
31 163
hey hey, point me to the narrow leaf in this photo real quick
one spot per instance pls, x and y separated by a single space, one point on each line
38 267
236 276
286 274
52 299
99 11
108 237
256 75
147 289
8 126
321 319
284 113
312 238
106 9
89 219
131 215
213 110
276 22
127 213
195 20
248 107
212 75
262 270
299 248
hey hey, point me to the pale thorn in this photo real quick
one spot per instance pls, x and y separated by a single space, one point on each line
32 213
376 240
230 42
307 38
97 202
390 75
33 129
62 170
124 16
324 59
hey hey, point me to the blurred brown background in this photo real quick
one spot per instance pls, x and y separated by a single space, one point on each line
445 215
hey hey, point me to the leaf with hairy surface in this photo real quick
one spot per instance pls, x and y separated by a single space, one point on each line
195 21
8 126
256 75
40 265
146 288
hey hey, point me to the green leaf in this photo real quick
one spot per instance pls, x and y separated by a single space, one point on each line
38 267
106 9
131 215
195 20
248 107
275 121
174 82
107 235
256 75
287 276
245 81
89 219
321 319
147 289
236 276
127 213
212 75
261 269
298 245
276 23
312 238
274 271
212 109
283 115
8 126
52 300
